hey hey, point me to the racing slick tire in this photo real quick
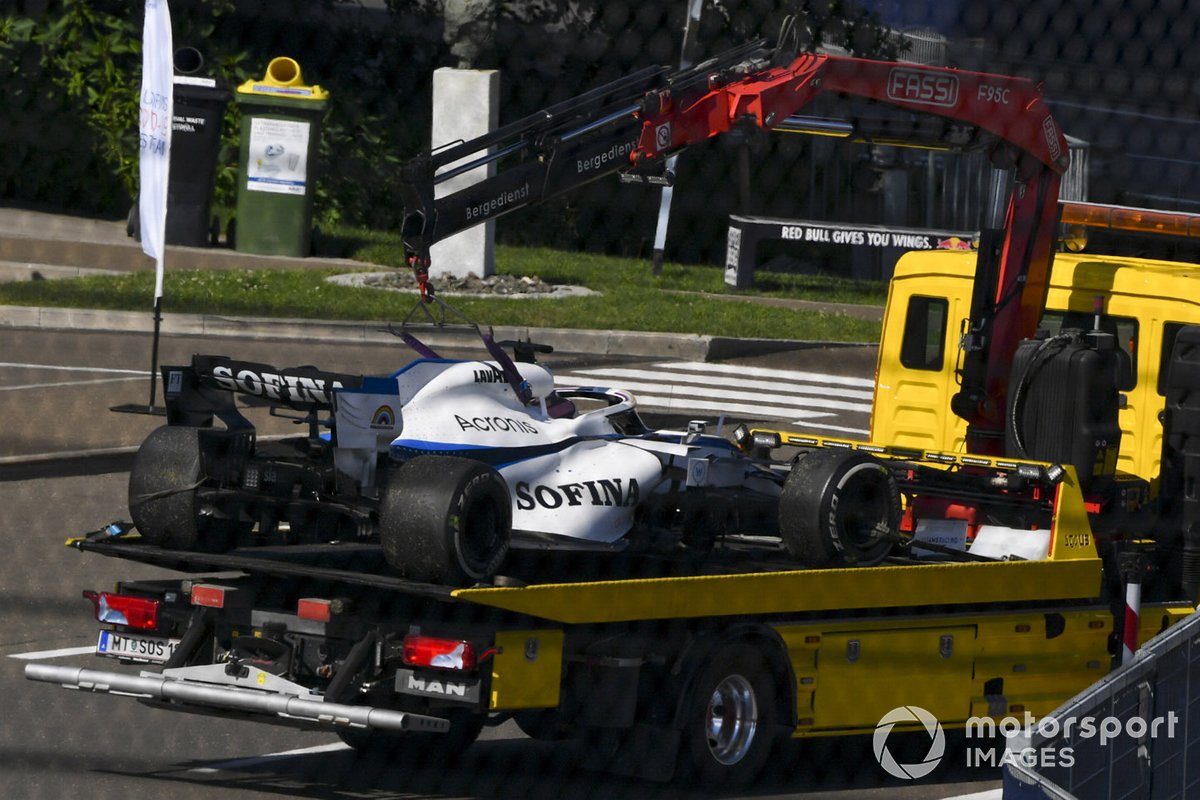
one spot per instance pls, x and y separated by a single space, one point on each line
730 723
444 519
839 507
163 500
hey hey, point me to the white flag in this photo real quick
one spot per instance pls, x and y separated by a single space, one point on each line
155 130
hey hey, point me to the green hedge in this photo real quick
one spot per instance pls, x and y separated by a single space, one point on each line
72 73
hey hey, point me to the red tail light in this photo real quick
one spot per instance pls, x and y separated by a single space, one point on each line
426 651
119 609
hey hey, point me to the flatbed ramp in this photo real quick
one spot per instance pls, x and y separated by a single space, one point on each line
1156 762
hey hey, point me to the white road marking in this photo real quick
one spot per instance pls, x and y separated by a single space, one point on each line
41 655
768 372
863 432
63 368
254 761
802 398
786 387
680 388
676 403
61 384
134 374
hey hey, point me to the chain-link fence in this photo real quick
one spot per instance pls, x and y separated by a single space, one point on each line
1119 77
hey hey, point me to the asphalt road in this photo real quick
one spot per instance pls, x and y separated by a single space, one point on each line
55 391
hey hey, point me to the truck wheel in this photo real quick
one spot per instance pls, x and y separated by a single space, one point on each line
543 724
444 519
730 722
839 506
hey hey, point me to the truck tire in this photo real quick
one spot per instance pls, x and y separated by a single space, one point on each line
162 488
730 719
543 724
444 519
839 507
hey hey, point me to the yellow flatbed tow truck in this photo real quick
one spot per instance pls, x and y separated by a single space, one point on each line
967 560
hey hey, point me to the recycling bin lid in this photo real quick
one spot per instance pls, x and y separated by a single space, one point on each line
283 80
195 87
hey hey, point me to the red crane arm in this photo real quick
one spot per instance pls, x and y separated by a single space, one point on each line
1003 114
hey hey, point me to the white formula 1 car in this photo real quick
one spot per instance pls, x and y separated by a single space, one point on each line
446 462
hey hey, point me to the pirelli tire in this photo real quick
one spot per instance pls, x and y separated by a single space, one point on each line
839 507
163 500
444 519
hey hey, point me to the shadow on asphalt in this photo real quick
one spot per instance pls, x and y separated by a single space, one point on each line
843 767
67 467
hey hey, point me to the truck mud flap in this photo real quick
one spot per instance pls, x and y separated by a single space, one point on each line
284 706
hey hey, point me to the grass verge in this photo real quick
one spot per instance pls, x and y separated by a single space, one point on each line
630 298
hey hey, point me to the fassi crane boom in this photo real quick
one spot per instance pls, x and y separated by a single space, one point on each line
940 108
547 153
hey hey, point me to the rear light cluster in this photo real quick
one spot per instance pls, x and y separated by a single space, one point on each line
428 651
120 609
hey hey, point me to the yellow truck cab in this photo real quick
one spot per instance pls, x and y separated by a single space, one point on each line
1145 303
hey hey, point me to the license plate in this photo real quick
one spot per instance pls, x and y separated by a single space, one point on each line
135 647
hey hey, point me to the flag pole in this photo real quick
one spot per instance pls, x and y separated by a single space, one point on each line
687 56
152 409
156 115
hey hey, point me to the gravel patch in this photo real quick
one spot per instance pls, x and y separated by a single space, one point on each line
447 285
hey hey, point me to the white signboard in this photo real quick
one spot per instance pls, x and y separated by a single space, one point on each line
278 156
733 254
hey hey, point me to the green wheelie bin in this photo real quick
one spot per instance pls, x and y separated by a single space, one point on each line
281 133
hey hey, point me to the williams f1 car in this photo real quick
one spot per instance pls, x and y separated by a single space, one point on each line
447 462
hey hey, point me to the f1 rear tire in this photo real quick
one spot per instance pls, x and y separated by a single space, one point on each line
164 499
444 519
162 488
839 507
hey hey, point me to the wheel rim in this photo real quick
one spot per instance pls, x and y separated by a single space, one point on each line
867 510
869 507
482 532
731 720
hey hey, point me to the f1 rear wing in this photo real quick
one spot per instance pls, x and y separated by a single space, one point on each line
205 388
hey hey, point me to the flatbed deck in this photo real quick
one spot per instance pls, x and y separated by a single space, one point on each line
785 589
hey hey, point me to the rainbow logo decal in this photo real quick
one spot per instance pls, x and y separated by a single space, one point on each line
384 417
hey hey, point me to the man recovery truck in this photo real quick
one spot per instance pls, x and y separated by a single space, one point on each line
1041 475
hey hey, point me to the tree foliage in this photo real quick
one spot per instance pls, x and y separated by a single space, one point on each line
73 75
